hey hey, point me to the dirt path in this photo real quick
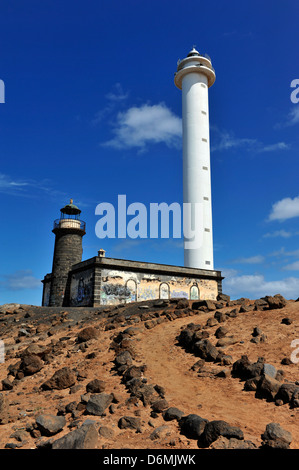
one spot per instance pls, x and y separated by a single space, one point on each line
212 398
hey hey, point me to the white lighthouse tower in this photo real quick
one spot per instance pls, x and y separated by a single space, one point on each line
194 76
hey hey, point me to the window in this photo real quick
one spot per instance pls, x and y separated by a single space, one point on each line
164 291
131 286
194 292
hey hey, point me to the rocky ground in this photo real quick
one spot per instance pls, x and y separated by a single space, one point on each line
172 374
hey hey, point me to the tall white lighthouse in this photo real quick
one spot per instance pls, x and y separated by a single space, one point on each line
194 76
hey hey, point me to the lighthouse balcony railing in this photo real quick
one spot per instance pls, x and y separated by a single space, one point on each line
69 223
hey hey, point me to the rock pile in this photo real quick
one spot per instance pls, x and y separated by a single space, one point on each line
266 381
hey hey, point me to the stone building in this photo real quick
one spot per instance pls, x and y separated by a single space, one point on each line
106 281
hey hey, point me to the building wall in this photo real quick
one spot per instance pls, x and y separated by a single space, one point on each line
120 286
81 289
46 293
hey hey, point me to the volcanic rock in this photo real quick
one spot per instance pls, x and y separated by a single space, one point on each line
63 378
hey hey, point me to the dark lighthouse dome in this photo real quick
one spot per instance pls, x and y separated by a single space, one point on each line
70 209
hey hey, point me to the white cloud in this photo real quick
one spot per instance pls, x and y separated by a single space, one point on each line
274 147
118 94
282 253
286 208
294 253
279 233
19 280
8 185
293 117
229 272
147 124
257 259
31 188
292 267
114 98
255 286
224 140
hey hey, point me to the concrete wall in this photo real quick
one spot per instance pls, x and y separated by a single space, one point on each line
119 286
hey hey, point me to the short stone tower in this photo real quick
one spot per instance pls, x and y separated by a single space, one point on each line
69 230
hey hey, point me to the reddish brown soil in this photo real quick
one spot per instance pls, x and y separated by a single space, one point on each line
168 365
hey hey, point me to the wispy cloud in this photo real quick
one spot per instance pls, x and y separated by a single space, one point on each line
292 266
114 98
34 189
284 209
229 272
257 259
12 186
291 119
20 280
273 147
225 140
118 94
144 125
280 233
283 253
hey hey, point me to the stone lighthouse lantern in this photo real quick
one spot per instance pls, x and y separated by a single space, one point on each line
68 230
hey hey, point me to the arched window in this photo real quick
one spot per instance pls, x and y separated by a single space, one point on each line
194 292
132 287
164 291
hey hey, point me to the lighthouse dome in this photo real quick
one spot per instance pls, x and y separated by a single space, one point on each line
193 52
70 209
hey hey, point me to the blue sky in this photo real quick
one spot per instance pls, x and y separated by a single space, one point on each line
91 111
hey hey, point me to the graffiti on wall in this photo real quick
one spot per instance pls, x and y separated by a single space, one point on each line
148 293
82 289
179 293
116 289
126 286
